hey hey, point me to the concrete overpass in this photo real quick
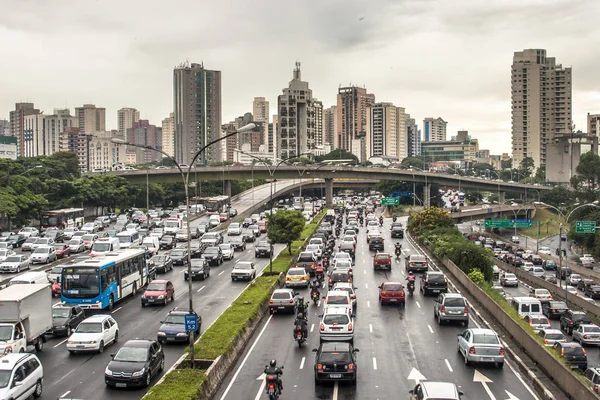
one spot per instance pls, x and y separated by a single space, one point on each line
526 211
330 174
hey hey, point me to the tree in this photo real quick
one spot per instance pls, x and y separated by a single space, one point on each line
558 196
338 154
285 226
540 174
506 164
416 162
479 167
588 170
428 219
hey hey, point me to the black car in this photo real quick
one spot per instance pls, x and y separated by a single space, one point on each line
263 249
135 364
248 236
238 243
196 248
398 231
592 291
213 255
200 269
339 276
335 361
166 242
16 240
554 309
65 319
179 256
573 353
376 244
56 235
162 263
247 222
172 329
563 273
585 282
570 320
433 282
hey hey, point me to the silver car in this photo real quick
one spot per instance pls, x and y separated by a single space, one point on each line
479 345
43 254
551 336
435 390
587 334
15 263
509 279
451 307
227 250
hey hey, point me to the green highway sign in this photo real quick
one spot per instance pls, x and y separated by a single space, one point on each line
508 223
585 227
389 201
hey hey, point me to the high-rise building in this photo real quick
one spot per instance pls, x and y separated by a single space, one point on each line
143 133
103 153
401 118
8 147
318 123
296 110
386 131
91 118
593 124
17 124
541 104
272 140
125 118
197 112
413 137
33 135
168 135
74 141
330 126
260 111
4 127
434 129
352 115
54 125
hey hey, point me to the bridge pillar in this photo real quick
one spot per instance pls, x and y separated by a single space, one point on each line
227 188
501 197
328 192
427 195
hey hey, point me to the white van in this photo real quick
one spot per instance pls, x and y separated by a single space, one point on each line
105 245
527 306
214 221
153 243
28 278
128 239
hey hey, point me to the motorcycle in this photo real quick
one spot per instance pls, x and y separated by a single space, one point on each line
398 252
320 276
326 260
315 297
272 387
380 221
299 336
411 287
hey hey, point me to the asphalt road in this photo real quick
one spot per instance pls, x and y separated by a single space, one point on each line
393 342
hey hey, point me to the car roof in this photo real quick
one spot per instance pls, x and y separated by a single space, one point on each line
483 331
454 295
391 283
143 343
160 281
440 389
343 285
297 269
337 310
283 290
337 293
8 361
97 318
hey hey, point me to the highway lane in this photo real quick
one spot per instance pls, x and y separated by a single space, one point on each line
392 341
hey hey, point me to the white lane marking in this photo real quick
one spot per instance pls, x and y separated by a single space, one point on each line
365 271
368 303
312 327
370 328
56 345
448 365
336 389
366 286
221 273
430 330
116 309
200 289
521 379
418 305
302 362
65 394
246 359
374 363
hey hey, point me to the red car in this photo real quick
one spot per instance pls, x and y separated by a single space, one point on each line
391 292
158 292
223 217
382 261
55 288
62 250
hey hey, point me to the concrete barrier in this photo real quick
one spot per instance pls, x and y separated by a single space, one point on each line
562 376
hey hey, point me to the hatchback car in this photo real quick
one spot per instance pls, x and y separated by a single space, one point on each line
574 354
135 364
433 282
350 289
94 334
179 256
509 279
158 292
391 292
62 250
587 334
66 318
282 300
339 298
213 255
339 276
337 324
382 261
172 328
554 309
43 254
200 269
537 322
335 361
430 390
22 376
227 250
15 263
479 345
451 307
551 336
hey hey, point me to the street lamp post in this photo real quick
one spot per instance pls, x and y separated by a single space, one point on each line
185 178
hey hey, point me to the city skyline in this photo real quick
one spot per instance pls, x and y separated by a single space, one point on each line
468 84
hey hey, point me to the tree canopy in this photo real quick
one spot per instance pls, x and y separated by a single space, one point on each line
338 154
285 226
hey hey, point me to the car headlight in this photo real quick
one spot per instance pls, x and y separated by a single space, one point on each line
161 296
108 372
161 334
182 334
92 342
139 373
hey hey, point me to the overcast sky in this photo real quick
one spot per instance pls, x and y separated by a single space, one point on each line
448 59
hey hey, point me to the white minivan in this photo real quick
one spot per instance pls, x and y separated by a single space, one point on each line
105 245
29 278
527 306
128 239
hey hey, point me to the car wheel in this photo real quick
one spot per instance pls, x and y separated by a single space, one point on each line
439 318
161 366
38 389
18 269
69 330
101 347
116 337
148 379
467 362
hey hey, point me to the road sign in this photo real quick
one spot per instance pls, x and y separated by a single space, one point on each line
507 223
389 201
585 227
521 223
401 194
191 322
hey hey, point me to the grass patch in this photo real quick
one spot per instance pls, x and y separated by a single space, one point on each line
180 384
549 224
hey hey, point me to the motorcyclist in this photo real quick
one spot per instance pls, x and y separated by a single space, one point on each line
411 277
301 322
273 369
315 288
398 248
394 218
320 272
302 306
381 220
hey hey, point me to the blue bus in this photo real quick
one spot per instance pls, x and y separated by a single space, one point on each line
99 283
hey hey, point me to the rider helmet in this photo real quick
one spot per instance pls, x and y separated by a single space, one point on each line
410 273
273 363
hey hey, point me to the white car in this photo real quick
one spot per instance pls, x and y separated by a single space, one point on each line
528 266
29 232
341 256
42 242
573 279
94 334
76 245
43 254
541 294
15 263
545 250
181 235
316 249
234 229
90 227
5 253
22 376
227 250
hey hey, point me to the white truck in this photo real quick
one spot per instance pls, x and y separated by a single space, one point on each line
25 316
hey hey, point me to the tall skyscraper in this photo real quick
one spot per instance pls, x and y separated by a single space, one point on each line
593 124
260 111
541 104
434 129
91 118
17 124
386 131
168 135
4 127
296 110
272 140
54 125
330 126
401 118
318 124
197 112
33 135
125 118
352 104
413 137
143 133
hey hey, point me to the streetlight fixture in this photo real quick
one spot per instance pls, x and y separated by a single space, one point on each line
185 177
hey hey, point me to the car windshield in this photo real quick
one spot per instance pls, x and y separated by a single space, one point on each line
60 313
159 259
538 320
243 265
41 250
211 250
89 327
482 338
197 263
10 259
175 319
88 237
454 302
6 333
339 276
581 317
336 319
382 257
436 278
131 354
510 276
573 351
225 247
30 240
280 296
41 241
156 287
592 329
334 357
177 253
101 246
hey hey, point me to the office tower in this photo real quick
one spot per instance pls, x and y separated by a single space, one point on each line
197 112
74 141
54 125
434 129
143 133
593 124
413 137
541 104
260 111
296 110
330 126
91 118
382 130
33 135
318 123
17 124
125 118
168 135
272 142
352 104
4 127
401 117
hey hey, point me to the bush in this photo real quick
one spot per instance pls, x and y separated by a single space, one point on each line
477 277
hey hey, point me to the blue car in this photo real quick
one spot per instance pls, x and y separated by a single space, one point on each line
172 329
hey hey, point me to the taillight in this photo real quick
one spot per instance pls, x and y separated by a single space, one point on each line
291 301
299 333
271 301
271 386
571 323
501 351
553 310
322 327
585 336
443 309
466 310
402 293
562 352
545 341
350 326
472 350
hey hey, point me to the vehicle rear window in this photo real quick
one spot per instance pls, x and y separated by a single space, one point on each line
335 357
454 302
538 320
382 257
581 318
435 278
280 296
554 336
395 287
339 275
336 319
337 300
593 329
485 339
573 351
296 271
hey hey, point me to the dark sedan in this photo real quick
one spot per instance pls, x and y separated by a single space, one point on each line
135 364
56 235
200 269
554 309
173 327
592 291
65 319
16 240
238 243
162 263
179 256
335 361
166 242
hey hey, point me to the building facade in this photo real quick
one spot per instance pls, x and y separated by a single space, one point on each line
463 149
143 133
90 118
4 127
8 147
197 112
434 129
17 124
33 135
296 133
413 137
126 116
352 115
168 135
593 124
74 141
541 104
260 111
386 131
565 152
60 121
103 153
330 126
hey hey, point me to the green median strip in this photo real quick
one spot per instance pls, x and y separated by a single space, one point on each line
179 384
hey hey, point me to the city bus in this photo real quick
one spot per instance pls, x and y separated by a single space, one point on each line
99 283
215 205
63 218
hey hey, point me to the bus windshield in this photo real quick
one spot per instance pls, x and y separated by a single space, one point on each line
124 239
80 282
49 220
